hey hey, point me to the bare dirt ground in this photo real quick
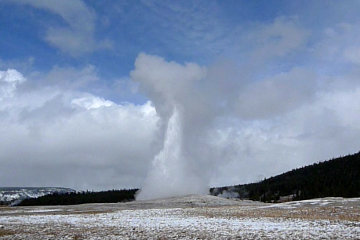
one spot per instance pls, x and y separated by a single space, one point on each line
190 217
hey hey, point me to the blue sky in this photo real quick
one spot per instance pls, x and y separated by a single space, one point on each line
200 31
265 74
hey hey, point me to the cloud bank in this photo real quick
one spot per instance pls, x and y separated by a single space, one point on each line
227 130
285 95
63 137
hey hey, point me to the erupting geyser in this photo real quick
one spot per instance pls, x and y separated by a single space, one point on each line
187 100
168 175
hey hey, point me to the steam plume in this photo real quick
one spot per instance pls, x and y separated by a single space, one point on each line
183 165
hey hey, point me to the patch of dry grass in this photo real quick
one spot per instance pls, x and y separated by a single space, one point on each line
77 237
62 229
306 213
5 232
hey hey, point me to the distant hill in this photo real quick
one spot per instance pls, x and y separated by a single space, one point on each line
14 195
71 198
338 177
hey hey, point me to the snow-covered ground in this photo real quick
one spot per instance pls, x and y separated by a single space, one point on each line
191 217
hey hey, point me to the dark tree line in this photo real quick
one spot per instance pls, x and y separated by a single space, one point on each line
338 177
111 196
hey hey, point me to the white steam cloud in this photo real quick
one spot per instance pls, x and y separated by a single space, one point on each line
169 175
187 103
219 125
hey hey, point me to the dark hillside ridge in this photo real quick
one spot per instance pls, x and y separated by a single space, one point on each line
14 195
339 177
111 196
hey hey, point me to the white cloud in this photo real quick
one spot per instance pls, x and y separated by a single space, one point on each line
70 77
187 28
232 131
58 136
322 129
278 94
278 39
337 46
91 102
77 37
8 82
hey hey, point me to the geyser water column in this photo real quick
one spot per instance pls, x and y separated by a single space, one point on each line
168 176
180 167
